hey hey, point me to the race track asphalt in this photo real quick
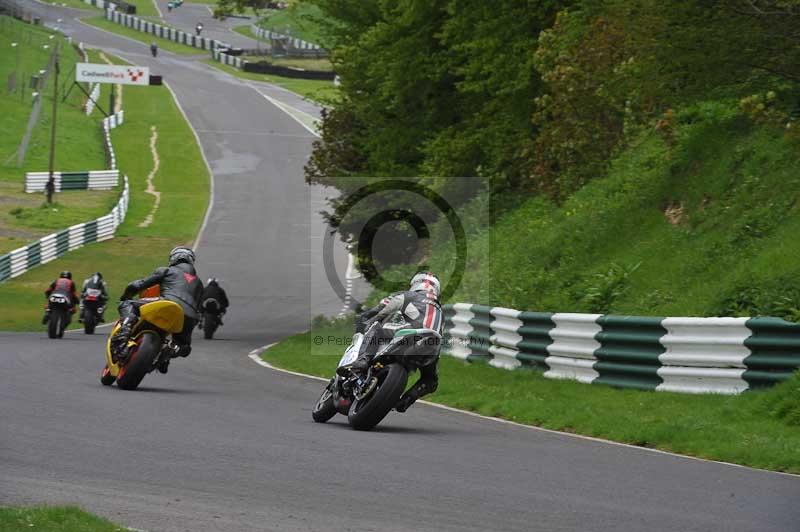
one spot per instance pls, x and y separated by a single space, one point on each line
221 443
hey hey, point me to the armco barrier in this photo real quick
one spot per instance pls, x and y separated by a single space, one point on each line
688 355
109 123
92 180
86 180
94 95
300 44
164 32
57 244
264 67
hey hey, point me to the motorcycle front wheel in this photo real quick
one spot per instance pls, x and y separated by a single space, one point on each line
140 362
89 322
324 409
366 413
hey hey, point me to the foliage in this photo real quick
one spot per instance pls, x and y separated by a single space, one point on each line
783 402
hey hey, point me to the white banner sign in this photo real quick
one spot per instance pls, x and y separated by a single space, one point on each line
97 73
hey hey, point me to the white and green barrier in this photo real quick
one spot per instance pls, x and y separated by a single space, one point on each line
92 180
57 244
109 123
102 4
688 355
84 180
164 32
294 42
219 55
94 95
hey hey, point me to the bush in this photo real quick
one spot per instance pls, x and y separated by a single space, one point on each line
783 401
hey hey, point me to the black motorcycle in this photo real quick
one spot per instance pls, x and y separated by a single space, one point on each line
59 315
92 311
367 399
212 318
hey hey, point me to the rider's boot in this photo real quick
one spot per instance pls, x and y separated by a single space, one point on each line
46 317
359 365
119 342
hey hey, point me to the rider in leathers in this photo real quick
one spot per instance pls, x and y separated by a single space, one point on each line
64 286
179 283
95 281
418 308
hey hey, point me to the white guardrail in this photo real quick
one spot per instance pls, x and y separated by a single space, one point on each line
55 245
52 246
687 355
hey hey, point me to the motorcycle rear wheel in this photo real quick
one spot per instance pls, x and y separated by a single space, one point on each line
324 409
89 322
209 325
141 361
366 413
57 323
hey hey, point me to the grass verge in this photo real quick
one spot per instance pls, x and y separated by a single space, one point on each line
752 429
77 4
79 146
183 181
144 8
147 38
300 20
317 90
53 519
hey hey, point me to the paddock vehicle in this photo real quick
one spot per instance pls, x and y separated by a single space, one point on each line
149 346
367 399
60 315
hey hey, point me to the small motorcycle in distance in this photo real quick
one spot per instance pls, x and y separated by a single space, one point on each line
92 312
60 315
367 399
211 318
149 345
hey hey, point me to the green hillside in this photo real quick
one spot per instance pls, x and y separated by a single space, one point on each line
24 217
700 221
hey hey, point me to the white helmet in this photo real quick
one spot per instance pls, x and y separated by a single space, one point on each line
426 282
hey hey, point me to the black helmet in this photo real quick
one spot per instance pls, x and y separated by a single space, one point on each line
211 280
181 254
65 274
98 275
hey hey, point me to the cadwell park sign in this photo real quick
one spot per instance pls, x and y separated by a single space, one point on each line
99 73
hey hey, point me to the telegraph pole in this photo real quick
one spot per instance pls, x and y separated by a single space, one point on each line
51 183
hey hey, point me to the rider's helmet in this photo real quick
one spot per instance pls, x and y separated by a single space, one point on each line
181 254
211 280
426 282
65 274
98 275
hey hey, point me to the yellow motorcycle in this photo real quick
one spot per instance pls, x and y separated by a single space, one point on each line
149 344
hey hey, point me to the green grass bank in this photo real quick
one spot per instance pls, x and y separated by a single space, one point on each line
53 519
25 217
698 219
321 91
183 181
758 429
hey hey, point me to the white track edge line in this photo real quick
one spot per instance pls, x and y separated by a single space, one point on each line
282 106
211 191
254 355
